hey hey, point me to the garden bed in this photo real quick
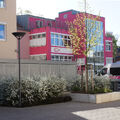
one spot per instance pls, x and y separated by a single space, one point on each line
95 98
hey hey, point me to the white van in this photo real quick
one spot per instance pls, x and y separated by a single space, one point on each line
112 70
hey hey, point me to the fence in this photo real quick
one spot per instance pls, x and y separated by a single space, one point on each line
44 68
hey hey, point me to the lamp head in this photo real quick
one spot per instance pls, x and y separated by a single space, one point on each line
19 35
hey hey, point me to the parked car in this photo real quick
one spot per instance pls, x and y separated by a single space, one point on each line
112 70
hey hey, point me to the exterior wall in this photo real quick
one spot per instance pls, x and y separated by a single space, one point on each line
70 16
8 16
24 46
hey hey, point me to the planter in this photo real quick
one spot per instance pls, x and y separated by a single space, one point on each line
95 98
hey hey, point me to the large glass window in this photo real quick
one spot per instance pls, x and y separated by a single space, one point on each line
2 3
60 40
52 41
2 32
96 55
56 41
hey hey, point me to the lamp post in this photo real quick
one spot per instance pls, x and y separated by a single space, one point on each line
19 36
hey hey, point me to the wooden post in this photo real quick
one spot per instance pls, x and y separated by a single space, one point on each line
92 82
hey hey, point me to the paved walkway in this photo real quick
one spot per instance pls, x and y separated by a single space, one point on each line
64 111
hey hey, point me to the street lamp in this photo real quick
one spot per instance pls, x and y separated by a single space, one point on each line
19 36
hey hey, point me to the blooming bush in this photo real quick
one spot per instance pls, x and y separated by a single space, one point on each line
78 85
35 90
101 84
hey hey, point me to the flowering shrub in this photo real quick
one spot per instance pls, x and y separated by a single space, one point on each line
102 84
34 90
78 85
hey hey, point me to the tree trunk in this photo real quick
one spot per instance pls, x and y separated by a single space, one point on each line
82 78
86 84
92 82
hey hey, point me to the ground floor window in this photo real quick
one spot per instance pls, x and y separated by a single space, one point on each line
38 57
61 58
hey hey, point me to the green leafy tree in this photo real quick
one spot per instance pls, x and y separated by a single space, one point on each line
85 34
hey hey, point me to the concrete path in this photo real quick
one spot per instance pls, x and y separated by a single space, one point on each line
64 111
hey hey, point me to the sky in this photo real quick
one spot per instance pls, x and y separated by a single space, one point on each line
50 8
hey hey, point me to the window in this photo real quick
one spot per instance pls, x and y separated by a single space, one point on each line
39 24
52 41
61 58
39 57
49 24
38 40
34 37
2 3
2 32
60 40
43 35
109 60
39 36
65 16
108 46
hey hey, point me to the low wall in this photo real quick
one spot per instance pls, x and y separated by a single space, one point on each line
95 98
44 68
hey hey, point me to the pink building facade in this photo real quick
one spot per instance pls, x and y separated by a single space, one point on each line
46 40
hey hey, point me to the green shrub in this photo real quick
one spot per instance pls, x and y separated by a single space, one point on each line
101 85
35 90
75 87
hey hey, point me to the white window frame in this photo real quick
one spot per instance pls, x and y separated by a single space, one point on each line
2 23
